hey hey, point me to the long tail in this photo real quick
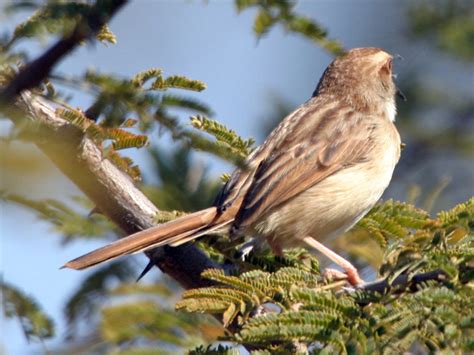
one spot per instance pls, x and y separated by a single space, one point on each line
175 232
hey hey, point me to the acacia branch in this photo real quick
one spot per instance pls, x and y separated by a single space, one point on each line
403 283
112 191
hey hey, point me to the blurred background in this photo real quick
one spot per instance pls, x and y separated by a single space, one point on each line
251 84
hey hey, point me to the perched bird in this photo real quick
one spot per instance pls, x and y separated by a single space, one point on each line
318 173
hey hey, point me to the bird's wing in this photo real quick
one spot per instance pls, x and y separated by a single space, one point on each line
323 141
241 179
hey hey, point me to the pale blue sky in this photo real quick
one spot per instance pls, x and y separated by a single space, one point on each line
212 43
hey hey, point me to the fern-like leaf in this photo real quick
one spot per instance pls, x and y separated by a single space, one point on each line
178 82
223 134
76 117
289 326
462 214
105 35
124 163
143 77
122 139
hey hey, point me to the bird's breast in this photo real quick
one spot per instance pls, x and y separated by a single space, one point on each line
335 204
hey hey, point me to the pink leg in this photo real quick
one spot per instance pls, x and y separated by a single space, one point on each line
351 271
276 248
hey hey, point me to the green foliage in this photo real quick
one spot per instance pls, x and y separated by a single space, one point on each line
179 82
214 350
55 17
440 318
270 304
119 99
125 164
445 243
240 296
459 215
199 142
75 117
35 324
66 221
183 184
133 313
449 24
291 307
105 35
172 82
142 351
141 289
272 12
225 177
393 220
120 138
144 320
85 301
225 137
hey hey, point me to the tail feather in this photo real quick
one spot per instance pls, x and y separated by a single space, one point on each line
196 234
174 232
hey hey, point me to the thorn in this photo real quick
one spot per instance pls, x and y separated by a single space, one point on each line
95 210
147 268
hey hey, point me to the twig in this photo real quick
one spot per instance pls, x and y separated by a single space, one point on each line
402 283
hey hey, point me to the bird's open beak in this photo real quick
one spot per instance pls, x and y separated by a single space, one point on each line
401 95
399 92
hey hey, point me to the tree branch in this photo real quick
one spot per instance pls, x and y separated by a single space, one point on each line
403 283
37 70
113 192
83 162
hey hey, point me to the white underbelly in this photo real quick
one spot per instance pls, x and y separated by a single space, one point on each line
330 207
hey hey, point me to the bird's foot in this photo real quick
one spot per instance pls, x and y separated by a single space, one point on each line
352 276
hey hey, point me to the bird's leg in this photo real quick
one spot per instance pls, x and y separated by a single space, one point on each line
351 271
276 248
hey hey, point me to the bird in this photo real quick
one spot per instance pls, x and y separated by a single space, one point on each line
316 175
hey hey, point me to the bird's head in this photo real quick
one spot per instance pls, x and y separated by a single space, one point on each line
362 77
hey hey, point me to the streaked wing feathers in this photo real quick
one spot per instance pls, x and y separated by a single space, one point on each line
298 163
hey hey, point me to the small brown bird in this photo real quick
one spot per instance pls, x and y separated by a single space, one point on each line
318 173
